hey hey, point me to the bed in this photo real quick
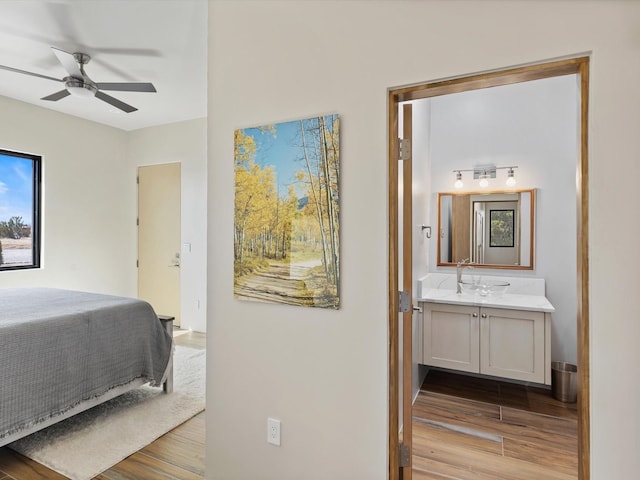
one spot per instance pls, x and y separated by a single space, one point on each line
63 351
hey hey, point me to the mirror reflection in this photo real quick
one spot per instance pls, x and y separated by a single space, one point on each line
492 229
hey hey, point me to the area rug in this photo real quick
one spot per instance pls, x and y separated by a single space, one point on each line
91 442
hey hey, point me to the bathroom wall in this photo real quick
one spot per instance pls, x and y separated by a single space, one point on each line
533 125
421 191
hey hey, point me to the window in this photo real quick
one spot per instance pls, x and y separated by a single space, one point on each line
501 232
19 210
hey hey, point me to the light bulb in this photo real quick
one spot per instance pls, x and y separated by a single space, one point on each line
458 183
484 183
511 180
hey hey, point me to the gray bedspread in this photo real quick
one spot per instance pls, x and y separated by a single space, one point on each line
60 347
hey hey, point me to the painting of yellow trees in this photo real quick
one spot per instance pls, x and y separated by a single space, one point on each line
286 228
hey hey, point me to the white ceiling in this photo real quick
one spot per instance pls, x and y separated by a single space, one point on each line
159 41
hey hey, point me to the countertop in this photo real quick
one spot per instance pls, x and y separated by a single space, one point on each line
536 303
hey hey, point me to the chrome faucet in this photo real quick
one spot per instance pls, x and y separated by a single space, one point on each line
460 266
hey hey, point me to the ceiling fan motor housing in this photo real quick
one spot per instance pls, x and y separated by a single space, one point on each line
80 88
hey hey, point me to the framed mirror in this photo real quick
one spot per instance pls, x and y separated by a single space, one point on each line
492 229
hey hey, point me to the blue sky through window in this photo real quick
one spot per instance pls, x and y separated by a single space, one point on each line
16 188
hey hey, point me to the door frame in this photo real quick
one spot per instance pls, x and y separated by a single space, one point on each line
567 66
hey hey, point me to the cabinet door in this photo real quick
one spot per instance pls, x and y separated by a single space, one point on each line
512 344
451 337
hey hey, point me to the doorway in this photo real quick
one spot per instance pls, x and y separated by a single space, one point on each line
401 348
159 238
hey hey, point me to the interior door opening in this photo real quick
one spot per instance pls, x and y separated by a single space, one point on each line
400 346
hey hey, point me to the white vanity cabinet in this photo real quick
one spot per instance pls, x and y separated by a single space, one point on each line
506 343
451 336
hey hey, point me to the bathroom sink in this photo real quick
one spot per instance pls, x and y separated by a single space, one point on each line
485 287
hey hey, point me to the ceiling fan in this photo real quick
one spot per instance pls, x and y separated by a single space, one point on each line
79 84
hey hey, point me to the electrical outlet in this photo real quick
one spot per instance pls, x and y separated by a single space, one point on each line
273 431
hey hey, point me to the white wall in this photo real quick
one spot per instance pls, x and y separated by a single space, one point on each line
183 142
324 373
533 125
89 201
89 188
422 204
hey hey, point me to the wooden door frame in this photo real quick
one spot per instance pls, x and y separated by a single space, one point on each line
577 65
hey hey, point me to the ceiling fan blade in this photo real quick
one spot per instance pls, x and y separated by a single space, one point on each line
115 102
127 87
56 96
68 62
16 70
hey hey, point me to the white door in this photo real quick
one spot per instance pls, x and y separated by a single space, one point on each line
159 238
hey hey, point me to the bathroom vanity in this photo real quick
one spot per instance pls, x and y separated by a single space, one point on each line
505 335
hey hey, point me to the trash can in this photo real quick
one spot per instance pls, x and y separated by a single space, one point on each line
564 381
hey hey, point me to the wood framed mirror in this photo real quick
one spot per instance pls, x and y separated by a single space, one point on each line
494 229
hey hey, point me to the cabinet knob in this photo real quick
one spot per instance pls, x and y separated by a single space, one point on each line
474 314
484 315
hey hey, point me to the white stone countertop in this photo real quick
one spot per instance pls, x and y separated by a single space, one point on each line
535 303
523 293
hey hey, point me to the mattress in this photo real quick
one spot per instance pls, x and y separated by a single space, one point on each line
59 348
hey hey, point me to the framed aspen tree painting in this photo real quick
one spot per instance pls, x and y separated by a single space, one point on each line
286 228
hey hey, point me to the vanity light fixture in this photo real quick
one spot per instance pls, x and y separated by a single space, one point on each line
483 174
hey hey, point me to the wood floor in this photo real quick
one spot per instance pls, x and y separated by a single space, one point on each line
178 455
468 428
464 428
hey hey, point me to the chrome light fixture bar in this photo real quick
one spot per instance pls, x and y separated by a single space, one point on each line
484 173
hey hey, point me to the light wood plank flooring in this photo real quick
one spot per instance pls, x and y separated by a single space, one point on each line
468 428
178 455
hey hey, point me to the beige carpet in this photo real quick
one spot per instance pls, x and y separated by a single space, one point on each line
91 442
